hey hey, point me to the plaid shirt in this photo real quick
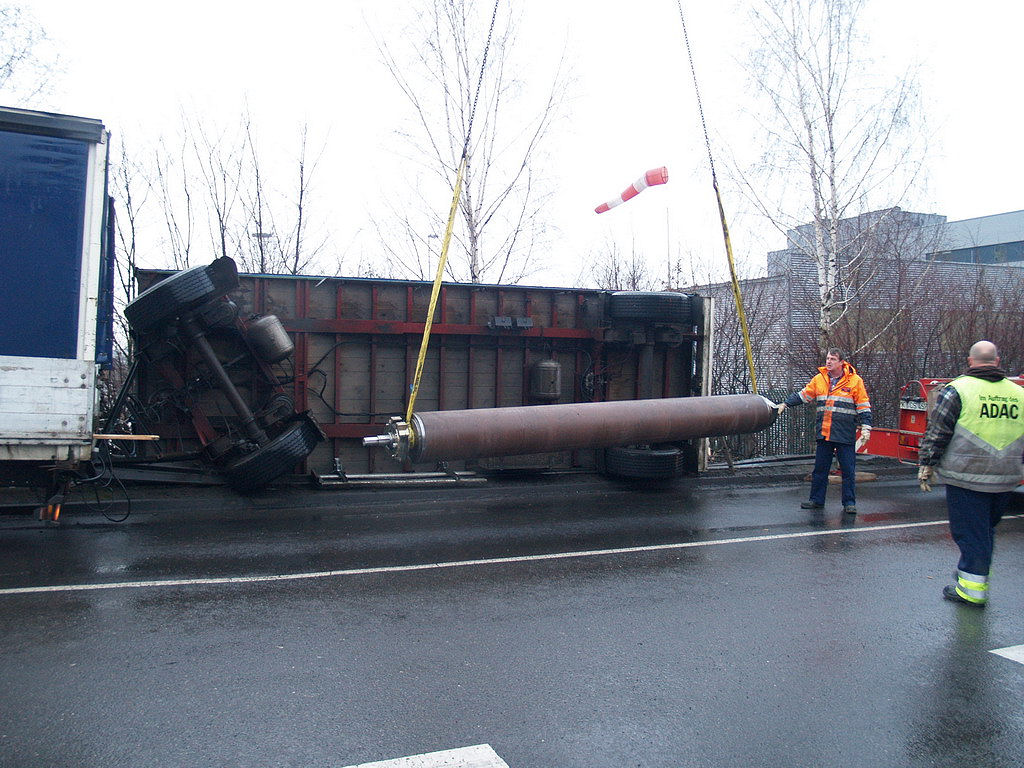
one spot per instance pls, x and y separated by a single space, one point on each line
941 423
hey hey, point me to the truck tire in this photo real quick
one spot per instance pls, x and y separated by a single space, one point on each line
697 310
651 307
180 292
645 463
276 458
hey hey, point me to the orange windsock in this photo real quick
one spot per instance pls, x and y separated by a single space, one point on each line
649 179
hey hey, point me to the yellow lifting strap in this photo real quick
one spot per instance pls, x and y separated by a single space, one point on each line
721 213
434 293
457 193
736 288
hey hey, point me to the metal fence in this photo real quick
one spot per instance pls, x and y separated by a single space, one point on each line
791 434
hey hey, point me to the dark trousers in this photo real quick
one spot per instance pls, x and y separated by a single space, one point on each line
847 456
973 517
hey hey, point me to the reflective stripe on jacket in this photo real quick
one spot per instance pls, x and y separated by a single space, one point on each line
984 453
840 408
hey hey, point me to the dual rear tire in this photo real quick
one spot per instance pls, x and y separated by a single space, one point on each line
654 463
167 300
275 458
656 307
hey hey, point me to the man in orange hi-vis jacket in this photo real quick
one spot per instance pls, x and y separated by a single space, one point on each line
843 405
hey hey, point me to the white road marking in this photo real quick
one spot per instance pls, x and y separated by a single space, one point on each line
1014 653
479 756
465 563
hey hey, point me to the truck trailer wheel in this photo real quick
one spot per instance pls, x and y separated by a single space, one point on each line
651 306
645 463
277 457
180 292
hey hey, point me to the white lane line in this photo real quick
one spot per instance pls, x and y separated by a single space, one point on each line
464 563
479 756
1014 653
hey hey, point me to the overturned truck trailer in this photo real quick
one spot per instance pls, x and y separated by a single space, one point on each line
494 349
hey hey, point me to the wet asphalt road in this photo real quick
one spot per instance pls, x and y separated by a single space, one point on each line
749 644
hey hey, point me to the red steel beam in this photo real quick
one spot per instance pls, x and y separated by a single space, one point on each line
312 325
350 430
498 378
301 347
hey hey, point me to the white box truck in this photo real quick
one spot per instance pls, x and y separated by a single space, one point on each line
56 282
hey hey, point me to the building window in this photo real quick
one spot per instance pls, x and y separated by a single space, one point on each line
999 253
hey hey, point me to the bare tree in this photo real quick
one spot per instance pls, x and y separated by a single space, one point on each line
982 304
128 186
501 205
278 223
216 180
130 189
615 271
219 160
258 216
837 145
300 252
175 189
28 63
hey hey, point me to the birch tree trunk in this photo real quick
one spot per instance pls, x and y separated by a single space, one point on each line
845 141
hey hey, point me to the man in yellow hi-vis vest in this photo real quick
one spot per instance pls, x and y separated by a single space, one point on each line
975 439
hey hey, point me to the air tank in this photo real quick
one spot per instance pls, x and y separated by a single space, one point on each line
546 381
269 340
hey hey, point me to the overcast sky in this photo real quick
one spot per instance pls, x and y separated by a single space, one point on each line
136 65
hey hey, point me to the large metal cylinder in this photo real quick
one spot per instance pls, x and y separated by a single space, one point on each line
486 432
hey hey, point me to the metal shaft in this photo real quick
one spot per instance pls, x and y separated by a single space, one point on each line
249 426
483 432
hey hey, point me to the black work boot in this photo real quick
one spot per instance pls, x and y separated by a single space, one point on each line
949 592
811 505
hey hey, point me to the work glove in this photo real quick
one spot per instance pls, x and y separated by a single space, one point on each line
780 408
924 477
865 433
